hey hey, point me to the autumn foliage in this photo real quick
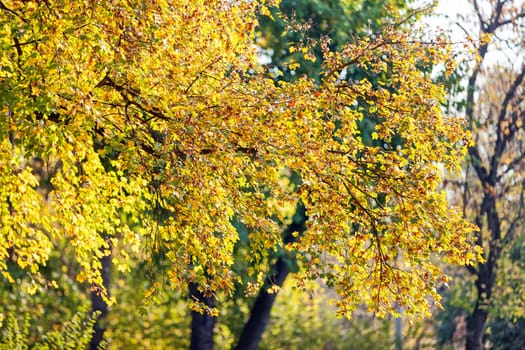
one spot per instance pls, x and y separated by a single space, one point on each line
139 127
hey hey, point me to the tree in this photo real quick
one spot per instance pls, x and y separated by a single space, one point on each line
293 33
492 186
164 130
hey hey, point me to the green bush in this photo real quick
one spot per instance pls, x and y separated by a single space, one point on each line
72 335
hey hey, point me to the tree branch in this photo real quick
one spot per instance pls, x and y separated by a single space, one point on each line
504 138
2 6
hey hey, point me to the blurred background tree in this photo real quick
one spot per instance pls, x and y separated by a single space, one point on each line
485 307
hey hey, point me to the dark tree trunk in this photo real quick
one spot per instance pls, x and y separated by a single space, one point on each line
476 328
201 324
260 313
485 275
477 320
99 305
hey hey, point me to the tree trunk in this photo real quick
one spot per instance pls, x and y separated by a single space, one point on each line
201 324
478 318
485 275
476 328
260 313
99 305
399 333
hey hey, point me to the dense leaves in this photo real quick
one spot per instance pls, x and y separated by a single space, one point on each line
156 127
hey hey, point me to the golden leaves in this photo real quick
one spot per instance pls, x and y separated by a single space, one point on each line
167 130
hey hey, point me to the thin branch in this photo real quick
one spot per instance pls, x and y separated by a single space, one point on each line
466 192
475 160
2 6
511 231
467 33
472 269
200 73
482 22
504 138
126 92
496 15
510 20
512 165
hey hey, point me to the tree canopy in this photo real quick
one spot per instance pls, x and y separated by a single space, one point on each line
159 132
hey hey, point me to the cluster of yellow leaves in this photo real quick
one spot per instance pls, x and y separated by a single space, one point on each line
20 208
163 126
